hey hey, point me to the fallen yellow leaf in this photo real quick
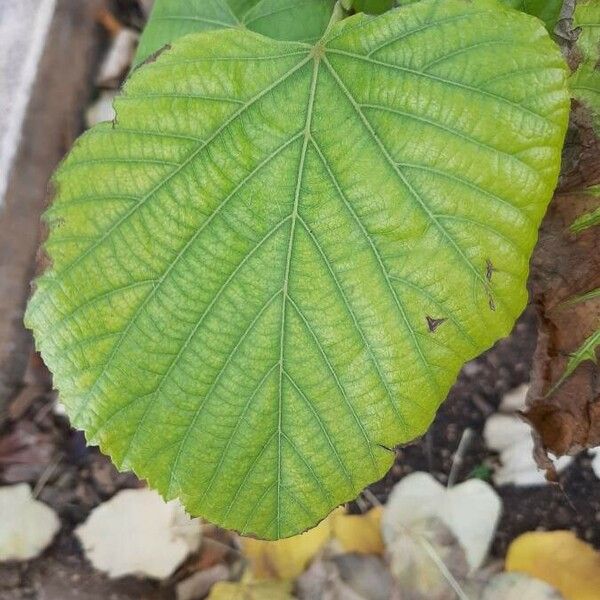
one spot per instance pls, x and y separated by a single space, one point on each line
257 590
559 558
359 533
287 558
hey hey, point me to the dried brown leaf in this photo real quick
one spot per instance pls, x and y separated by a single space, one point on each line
564 397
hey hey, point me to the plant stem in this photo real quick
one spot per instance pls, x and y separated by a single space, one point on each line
444 570
457 460
340 11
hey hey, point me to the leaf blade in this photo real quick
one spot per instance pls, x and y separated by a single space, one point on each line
585 87
586 18
263 299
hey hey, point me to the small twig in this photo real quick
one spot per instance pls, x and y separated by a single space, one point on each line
340 11
563 491
45 477
371 497
457 460
439 563
362 505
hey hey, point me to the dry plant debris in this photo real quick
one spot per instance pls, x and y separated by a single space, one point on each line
564 399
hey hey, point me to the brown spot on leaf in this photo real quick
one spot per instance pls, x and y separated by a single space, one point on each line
386 448
433 323
152 57
489 269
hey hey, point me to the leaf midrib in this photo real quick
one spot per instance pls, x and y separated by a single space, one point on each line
286 276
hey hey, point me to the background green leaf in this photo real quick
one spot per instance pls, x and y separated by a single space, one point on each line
585 87
587 18
546 10
583 297
273 264
585 352
290 20
591 218
585 81
586 221
373 7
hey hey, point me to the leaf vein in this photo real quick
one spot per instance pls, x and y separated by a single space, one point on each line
319 346
354 320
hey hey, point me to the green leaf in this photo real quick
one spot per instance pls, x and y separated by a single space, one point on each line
585 88
585 352
585 221
591 295
591 218
587 18
280 19
585 81
271 267
373 7
546 10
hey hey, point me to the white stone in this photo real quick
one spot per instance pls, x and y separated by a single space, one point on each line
518 586
102 109
511 437
26 526
595 452
515 399
118 59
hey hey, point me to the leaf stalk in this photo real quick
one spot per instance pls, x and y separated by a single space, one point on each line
340 11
